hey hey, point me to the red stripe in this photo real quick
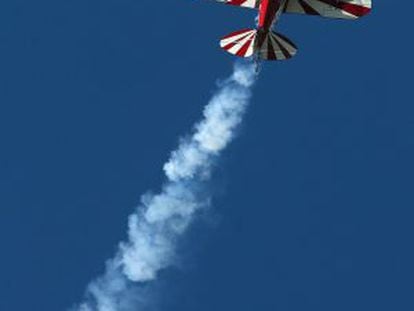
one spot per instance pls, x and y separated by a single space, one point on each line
236 2
231 44
244 48
354 9
236 33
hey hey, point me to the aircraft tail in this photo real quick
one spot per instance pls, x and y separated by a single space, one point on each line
240 43
266 45
274 46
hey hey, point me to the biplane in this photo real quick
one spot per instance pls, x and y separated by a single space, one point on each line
265 44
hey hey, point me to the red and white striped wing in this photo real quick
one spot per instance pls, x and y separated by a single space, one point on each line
348 9
253 4
240 43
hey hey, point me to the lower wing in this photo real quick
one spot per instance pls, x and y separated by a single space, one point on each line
253 4
347 9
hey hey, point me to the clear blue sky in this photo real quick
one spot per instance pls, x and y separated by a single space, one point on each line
316 199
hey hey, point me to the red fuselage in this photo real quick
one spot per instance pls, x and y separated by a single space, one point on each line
267 13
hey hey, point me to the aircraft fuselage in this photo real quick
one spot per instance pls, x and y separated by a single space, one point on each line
265 43
269 10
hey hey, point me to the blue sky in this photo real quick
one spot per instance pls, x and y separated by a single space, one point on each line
315 197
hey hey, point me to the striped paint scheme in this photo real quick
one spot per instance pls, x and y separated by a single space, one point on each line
347 9
276 47
240 43
265 44
273 46
253 4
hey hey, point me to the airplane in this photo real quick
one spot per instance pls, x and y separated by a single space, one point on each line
264 44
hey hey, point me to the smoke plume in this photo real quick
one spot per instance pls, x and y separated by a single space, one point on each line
156 226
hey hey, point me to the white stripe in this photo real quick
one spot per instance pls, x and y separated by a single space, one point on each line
240 44
234 38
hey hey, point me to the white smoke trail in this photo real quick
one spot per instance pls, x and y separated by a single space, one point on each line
157 224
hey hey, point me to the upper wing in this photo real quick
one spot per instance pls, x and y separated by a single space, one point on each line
348 9
253 4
